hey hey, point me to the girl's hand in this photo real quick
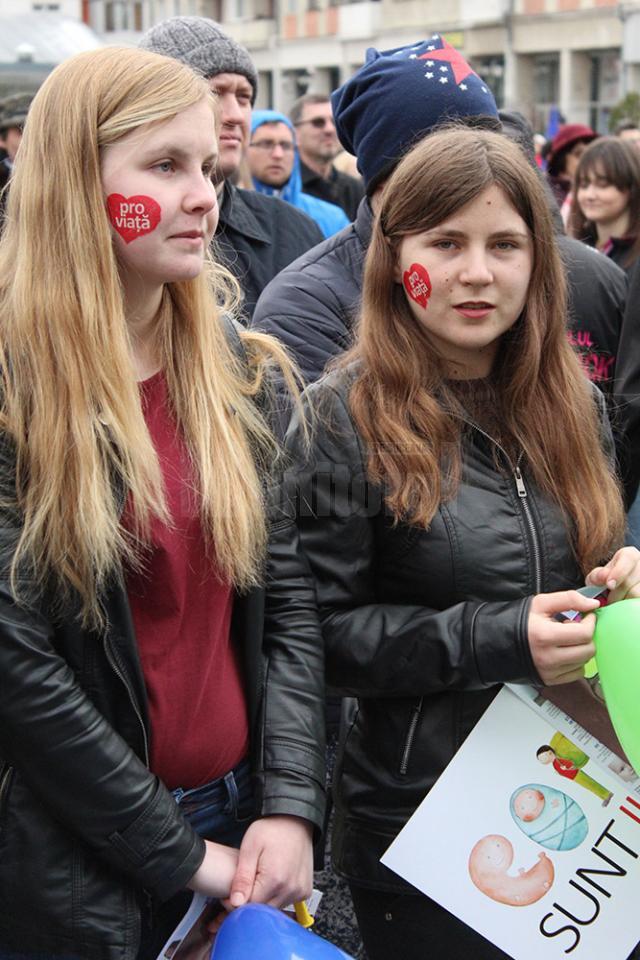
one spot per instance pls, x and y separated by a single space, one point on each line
276 862
560 650
621 575
216 872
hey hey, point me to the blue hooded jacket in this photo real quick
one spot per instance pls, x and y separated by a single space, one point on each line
329 217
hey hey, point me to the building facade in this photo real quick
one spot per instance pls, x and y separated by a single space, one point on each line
36 35
581 56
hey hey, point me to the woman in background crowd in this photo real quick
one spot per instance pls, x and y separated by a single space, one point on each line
567 147
606 211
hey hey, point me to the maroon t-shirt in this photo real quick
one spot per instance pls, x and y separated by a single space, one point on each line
182 613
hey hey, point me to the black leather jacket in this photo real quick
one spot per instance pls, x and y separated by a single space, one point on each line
87 833
420 625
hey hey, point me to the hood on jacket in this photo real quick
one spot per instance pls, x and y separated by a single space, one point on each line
293 187
329 217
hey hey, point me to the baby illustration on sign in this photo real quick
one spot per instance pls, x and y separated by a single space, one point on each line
489 863
567 760
548 816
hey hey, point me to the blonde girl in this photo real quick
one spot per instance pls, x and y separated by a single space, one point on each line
160 665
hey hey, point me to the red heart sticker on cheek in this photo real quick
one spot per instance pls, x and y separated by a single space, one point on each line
417 283
132 217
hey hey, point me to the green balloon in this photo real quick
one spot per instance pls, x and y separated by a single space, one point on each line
617 640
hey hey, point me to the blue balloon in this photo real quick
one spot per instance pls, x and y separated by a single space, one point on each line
548 816
256 930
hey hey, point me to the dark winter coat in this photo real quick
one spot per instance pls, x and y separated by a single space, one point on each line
89 837
338 188
257 237
627 391
419 625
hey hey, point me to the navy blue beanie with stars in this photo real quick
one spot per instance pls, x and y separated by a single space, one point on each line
399 96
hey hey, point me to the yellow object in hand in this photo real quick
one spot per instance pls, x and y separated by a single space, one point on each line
303 916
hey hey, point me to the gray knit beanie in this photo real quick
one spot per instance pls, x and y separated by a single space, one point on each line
203 46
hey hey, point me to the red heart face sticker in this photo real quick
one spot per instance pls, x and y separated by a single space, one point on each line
132 217
417 283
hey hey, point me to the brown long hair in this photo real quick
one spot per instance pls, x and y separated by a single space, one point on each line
71 405
399 397
618 163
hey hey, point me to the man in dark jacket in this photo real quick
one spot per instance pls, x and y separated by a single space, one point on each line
312 305
257 236
318 146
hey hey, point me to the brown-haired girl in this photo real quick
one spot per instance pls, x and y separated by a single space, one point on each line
456 492
606 212
161 669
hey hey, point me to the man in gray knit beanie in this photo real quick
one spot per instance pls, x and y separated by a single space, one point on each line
257 236
203 46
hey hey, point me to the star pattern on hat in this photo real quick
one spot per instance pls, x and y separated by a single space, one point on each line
444 79
429 76
448 54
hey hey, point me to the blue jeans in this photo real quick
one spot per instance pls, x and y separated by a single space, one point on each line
221 810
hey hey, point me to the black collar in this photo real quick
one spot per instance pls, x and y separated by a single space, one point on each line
236 214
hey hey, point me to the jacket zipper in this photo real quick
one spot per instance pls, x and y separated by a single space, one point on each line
537 568
411 734
6 774
521 490
113 659
526 509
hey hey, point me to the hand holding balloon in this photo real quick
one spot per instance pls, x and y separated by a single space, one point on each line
560 650
621 575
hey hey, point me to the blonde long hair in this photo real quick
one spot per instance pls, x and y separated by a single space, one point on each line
71 404
399 398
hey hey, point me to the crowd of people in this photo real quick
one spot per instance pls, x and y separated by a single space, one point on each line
297 468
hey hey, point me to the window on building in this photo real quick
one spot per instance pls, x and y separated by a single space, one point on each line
491 70
604 87
546 78
137 16
263 9
212 9
109 16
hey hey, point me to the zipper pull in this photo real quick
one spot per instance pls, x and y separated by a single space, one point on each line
522 490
